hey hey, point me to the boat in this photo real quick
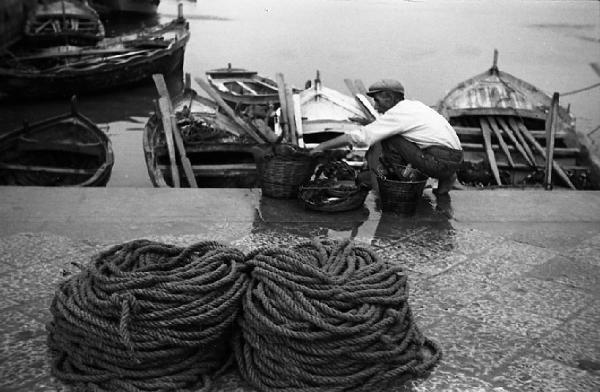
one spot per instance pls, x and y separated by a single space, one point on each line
239 86
219 157
113 62
66 150
501 121
128 6
327 113
63 22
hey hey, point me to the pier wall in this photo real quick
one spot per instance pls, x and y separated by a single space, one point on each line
12 17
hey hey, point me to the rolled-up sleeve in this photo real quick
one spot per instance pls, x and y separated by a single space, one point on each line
385 126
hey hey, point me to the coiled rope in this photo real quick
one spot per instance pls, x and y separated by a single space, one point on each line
148 316
328 316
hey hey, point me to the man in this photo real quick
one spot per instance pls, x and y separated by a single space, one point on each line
410 130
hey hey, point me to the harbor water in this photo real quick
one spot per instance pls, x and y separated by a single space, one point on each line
429 45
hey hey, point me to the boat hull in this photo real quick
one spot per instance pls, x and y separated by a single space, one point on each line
217 163
67 150
129 6
65 82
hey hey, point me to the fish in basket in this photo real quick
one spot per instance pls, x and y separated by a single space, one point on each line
335 187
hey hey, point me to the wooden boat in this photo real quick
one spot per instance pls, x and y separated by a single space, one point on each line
327 113
129 6
67 150
501 122
114 62
219 157
63 22
240 86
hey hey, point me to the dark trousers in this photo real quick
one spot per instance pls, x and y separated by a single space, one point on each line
435 161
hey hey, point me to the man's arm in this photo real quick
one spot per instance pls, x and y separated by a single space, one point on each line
336 142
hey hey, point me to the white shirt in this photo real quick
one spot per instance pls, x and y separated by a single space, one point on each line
413 120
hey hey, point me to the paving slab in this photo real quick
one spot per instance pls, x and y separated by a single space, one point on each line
506 281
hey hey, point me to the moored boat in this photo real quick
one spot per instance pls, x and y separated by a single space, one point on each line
129 6
113 62
219 158
327 113
63 22
502 123
241 86
66 150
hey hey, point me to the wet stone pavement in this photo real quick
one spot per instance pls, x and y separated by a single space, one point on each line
511 291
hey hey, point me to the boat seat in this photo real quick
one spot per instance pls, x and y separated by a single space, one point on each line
26 144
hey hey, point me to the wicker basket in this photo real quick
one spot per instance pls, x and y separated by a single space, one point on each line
282 169
337 201
400 196
334 188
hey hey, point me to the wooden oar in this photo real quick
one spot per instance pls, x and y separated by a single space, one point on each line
164 107
551 125
513 124
492 121
166 110
298 118
561 173
351 87
504 126
284 121
487 140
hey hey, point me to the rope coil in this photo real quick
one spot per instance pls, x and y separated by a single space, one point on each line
328 316
148 316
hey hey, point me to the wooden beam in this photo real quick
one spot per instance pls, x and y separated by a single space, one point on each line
289 100
487 139
476 131
165 116
284 121
46 169
26 144
504 126
551 125
351 87
492 121
298 118
541 151
249 130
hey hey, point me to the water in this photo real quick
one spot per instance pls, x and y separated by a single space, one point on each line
429 45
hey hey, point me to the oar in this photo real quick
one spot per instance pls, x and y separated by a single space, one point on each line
492 121
487 140
514 140
551 125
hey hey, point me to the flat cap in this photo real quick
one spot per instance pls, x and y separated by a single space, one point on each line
385 85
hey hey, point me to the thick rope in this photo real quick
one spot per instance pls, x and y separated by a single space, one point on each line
145 316
328 316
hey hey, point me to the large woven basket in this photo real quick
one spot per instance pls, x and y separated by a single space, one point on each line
282 169
400 195
334 188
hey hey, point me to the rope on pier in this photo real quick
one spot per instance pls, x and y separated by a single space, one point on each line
328 316
145 316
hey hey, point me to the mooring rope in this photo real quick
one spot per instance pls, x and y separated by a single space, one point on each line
328 316
146 316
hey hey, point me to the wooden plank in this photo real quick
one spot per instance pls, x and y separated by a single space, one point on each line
366 105
284 121
513 124
165 116
161 87
185 161
475 131
487 139
564 152
504 126
492 121
289 100
298 118
360 86
46 169
541 151
225 107
551 125
25 144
